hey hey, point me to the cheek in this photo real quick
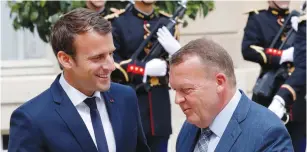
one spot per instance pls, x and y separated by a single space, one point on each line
202 102
86 69
195 102
91 67
98 3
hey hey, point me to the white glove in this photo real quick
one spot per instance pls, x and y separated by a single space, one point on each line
287 55
155 67
167 40
278 106
294 22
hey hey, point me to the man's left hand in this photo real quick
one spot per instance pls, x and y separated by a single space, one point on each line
278 106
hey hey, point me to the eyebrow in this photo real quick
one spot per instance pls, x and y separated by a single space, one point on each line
101 54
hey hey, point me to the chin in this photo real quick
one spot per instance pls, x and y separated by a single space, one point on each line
98 3
149 2
105 87
284 7
192 120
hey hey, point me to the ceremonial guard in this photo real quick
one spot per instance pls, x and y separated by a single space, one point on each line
130 29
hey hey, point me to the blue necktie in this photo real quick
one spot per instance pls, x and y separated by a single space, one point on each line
203 141
97 125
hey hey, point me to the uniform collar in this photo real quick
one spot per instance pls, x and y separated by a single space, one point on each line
277 12
142 15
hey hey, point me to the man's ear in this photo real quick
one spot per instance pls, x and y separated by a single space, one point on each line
65 60
220 82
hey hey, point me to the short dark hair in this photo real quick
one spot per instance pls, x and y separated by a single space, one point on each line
210 53
76 22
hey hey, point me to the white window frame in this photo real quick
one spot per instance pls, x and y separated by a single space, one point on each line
46 65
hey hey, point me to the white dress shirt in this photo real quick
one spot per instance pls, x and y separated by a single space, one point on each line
221 121
77 99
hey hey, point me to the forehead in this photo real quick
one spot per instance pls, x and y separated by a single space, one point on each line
281 1
92 41
190 71
149 1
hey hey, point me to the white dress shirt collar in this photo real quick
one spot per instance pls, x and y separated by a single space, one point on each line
221 121
75 95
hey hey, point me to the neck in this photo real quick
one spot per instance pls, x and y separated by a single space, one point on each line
143 7
93 7
100 9
275 6
227 96
224 99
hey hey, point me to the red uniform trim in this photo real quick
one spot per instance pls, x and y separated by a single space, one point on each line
151 115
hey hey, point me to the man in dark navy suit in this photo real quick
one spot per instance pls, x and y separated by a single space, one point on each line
82 111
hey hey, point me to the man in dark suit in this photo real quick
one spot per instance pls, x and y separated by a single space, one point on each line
82 110
220 117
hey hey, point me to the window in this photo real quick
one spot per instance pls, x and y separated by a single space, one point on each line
22 51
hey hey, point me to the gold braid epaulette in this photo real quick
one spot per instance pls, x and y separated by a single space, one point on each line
255 11
163 13
178 21
302 18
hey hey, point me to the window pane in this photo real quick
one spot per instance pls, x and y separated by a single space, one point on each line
21 44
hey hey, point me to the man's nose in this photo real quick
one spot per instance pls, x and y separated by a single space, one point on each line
179 98
109 64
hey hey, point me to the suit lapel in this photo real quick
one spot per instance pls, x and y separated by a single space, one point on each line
233 129
192 138
71 117
229 137
113 112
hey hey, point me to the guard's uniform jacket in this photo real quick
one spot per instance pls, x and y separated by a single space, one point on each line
261 28
129 31
293 91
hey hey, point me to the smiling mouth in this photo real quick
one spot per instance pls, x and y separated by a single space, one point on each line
185 110
103 76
